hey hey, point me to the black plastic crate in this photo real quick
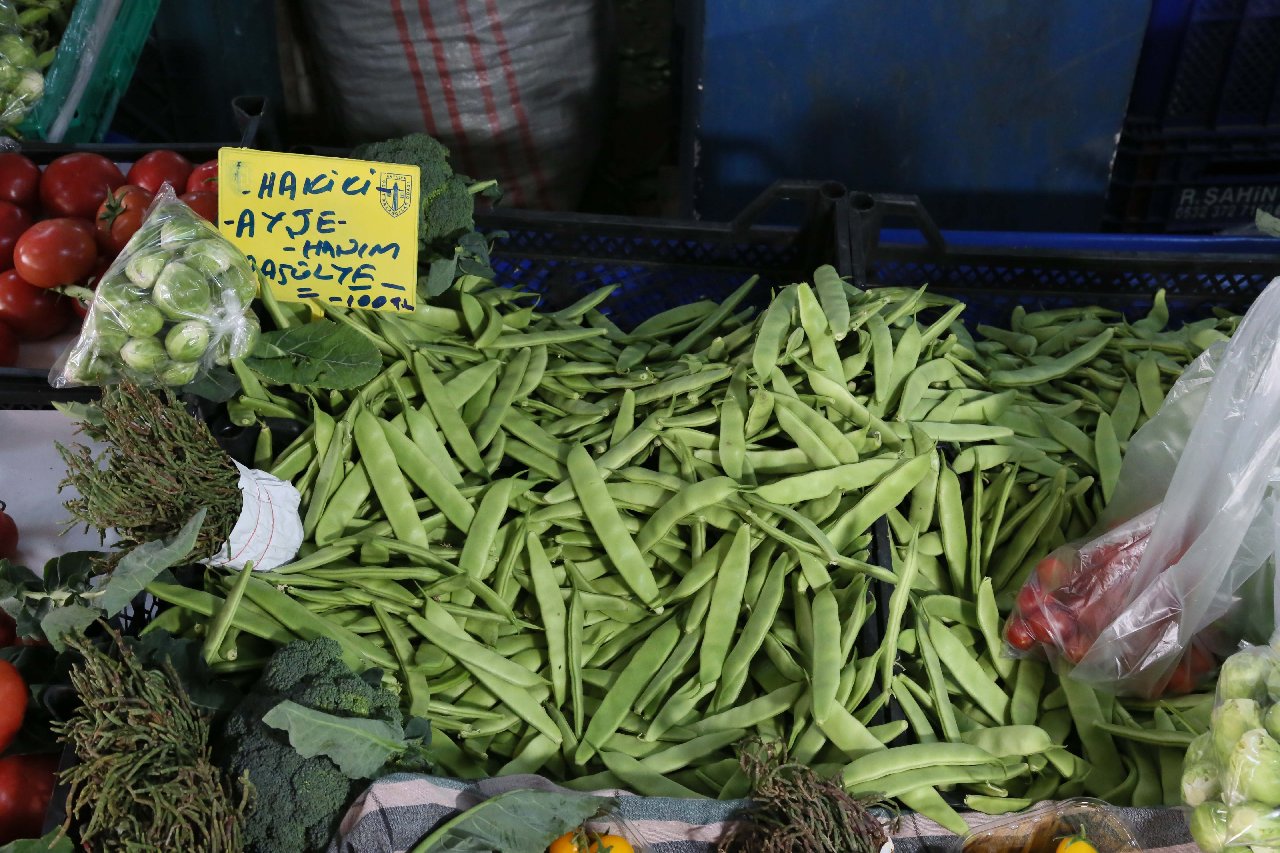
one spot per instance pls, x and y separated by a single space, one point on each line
1192 181
658 264
1209 64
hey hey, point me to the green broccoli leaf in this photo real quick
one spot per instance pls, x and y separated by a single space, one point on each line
68 619
54 842
217 385
515 822
322 354
141 565
359 747
70 571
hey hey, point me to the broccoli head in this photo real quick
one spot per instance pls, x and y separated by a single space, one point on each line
446 205
297 801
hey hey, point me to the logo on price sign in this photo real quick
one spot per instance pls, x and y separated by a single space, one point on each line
323 228
396 192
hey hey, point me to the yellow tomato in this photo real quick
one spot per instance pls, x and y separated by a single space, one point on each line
1076 844
618 844
573 841
585 841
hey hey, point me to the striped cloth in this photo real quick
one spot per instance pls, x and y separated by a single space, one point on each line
396 812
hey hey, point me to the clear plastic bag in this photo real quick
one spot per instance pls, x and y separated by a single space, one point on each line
177 301
1231 775
21 72
1142 605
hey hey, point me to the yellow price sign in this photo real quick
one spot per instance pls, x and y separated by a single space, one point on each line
327 228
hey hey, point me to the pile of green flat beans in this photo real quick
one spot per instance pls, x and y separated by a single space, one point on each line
609 556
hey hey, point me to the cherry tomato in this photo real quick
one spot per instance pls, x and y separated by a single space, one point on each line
1076 844
1051 624
8 630
14 221
26 787
13 702
8 355
19 180
1180 681
1052 573
32 312
581 841
55 251
1075 648
8 531
203 203
120 216
1018 634
76 184
160 167
204 178
1030 597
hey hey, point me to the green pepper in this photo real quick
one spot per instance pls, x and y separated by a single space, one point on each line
143 354
132 318
240 342
211 256
179 373
182 229
144 267
241 281
181 292
187 341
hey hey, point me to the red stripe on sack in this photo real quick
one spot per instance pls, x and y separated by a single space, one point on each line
415 70
522 118
446 87
490 105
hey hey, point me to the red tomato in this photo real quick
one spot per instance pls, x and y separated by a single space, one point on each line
120 216
8 630
1051 624
1052 573
203 203
19 180
56 251
158 168
14 221
75 184
32 312
26 786
1030 597
1018 634
8 358
1077 647
204 178
13 703
1180 681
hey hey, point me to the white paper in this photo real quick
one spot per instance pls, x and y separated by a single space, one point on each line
269 529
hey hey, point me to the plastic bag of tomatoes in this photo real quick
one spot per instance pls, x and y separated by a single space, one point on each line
1181 566
175 302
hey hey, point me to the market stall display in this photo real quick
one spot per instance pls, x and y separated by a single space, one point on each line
616 551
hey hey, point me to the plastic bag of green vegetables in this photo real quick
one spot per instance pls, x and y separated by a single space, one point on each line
1231 775
22 67
175 303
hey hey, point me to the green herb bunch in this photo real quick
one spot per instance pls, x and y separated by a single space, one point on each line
145 778
161 465
794 810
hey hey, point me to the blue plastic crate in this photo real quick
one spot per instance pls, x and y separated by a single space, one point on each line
993 272
659 264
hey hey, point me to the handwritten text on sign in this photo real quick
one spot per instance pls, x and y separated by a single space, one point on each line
341 231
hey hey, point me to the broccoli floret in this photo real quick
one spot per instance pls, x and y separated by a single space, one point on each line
297 801
446 204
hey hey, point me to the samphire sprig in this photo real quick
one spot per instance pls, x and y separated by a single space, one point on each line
793 809
145 779
160 466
